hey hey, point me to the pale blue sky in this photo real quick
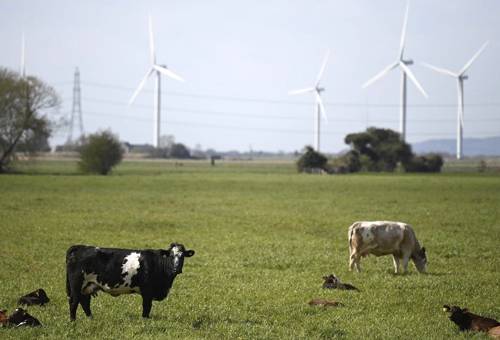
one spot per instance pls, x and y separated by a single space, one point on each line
260 50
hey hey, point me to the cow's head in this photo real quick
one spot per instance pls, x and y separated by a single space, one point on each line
18 316
457 314
42 296
331 281
177 252
420 260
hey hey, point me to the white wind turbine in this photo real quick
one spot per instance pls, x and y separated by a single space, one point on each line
460 77
22 70
320 108
405 72
158 70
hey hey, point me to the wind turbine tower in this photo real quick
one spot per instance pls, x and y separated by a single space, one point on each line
319 107
76 111
402 64
460 77
22 70
157 70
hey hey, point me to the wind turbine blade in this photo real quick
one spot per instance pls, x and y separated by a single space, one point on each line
469 63
440 70
167 72
321 106
381 74
410 75
151 42
301 91
141 85
403 32
323 66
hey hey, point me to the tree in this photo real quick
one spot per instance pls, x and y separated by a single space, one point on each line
346 163
25 106
179 150
380 149
100 152
311 159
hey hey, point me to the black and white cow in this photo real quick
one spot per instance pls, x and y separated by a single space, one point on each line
148 272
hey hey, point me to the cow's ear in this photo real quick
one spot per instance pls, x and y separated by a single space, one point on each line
423 250
188 253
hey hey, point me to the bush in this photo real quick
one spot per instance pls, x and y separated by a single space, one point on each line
311 160
175 150
100 152
429 163
180 151
349 162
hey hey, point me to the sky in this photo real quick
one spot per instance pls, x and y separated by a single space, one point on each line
241 58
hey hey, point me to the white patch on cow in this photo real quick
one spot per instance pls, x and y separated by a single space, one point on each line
91 285
177 254
176 251
130 267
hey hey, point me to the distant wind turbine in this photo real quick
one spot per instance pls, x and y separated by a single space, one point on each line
405 72
22 70
460 77
320 108
158 70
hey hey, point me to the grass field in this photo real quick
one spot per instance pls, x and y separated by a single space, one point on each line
264 236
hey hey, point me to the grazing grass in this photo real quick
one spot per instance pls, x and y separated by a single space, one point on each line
264 236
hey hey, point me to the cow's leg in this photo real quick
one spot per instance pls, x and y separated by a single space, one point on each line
354 262
74 285
147 301
85 302
395 259
73 305
406 258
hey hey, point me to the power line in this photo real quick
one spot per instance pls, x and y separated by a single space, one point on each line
273 116
247 128
288 102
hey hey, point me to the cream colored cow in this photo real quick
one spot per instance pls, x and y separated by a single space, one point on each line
385 238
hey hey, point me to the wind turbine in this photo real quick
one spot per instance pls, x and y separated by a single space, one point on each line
22 70
157 70
320 108
460 77
402 64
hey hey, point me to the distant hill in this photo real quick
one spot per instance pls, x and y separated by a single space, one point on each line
472 146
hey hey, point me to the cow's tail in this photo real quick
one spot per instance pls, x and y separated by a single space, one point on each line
349 235
68 287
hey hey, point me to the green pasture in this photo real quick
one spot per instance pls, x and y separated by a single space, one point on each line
264 236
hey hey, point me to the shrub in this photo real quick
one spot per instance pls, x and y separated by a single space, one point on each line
428 163
311 159
349 162
179 150
100 152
